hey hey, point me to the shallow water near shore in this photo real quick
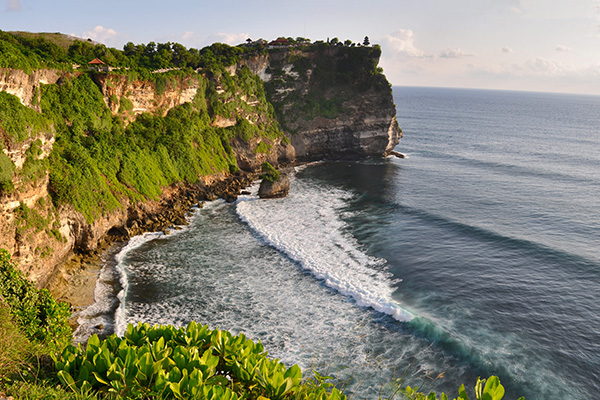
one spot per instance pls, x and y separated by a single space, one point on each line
478 254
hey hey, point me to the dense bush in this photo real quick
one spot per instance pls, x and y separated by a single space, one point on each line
18 121
15 349
485 389
183 363
7 169
96 162
35 312
269 173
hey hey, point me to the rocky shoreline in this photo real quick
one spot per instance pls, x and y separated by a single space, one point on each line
74 281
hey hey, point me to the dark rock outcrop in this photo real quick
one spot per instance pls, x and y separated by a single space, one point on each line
278 188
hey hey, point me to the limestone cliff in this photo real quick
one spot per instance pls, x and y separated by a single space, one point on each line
130 98
332 101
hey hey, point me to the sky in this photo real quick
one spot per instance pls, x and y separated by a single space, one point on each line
532 45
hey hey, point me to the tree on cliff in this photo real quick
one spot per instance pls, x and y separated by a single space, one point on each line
366 41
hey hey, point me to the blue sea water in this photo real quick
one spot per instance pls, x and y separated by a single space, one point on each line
478 254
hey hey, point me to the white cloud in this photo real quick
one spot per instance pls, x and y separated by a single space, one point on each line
402 43
13 5
101 34
563 48
506 49
187 35
228 38
454 53
516 10
545 67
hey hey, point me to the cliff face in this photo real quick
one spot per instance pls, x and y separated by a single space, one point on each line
332 102
131 98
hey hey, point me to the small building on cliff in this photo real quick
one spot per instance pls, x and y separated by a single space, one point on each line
98 65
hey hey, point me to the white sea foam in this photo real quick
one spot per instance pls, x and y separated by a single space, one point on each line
107 313
134 243
305 226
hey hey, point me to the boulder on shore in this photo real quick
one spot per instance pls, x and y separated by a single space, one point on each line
278 188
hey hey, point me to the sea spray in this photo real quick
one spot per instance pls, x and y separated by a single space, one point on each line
306 227
108 312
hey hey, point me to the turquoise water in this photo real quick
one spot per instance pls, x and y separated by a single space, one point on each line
478 254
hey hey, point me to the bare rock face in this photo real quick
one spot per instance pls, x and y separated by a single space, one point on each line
279 188
132 98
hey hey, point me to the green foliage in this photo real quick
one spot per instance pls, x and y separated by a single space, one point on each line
13 56
27 218
15 349
34 168
31 51
19 121
125 105
96 162
42 389
485 389
35 312
182 363
263 147
7 169
269 172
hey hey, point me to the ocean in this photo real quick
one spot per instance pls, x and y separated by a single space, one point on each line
478 254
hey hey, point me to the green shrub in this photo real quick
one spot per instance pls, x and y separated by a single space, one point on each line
15 349
125 105
485 389
34 168
269 172
35 312
27 218
263 147
7 169
19 121
184 363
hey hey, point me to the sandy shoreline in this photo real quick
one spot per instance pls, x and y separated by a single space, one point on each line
74 281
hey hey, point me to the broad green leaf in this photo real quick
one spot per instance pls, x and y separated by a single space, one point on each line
462 394
493 390
180 360
175 389
84 374
100 378
217 380
145 364
66 379
285 387
294 372
94 341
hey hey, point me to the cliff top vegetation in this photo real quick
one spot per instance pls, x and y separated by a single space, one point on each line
29 51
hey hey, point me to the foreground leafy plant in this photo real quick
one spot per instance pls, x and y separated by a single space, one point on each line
485 389
182 363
